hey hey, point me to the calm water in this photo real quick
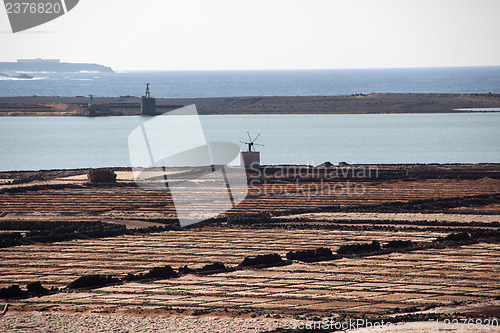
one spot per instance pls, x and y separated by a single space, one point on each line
259 83
32 143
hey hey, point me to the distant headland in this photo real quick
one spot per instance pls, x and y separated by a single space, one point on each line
50 65
353 104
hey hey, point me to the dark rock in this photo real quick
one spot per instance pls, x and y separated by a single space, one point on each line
93 281
24 76
216 266
11 292
327 164
359 248
185 270
161 272
265 259
37 288
321 253
99 176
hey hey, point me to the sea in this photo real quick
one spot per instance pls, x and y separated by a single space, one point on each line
185 84
34 143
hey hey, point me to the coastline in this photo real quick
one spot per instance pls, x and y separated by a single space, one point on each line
353 104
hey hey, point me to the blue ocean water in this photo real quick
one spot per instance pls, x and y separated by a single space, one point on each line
33 143
258 83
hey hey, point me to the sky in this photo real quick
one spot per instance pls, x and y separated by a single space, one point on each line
265 34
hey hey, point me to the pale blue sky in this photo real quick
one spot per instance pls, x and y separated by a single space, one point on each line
265 34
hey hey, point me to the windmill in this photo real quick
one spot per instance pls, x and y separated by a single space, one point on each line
252 142
251 159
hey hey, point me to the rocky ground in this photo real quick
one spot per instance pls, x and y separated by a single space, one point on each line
445 216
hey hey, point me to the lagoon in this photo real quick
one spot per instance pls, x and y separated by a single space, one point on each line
34 143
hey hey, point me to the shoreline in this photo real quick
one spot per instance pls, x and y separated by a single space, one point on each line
274 166
376 103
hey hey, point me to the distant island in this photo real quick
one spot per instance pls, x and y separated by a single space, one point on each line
50 65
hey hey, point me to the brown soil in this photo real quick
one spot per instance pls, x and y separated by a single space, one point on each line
371 285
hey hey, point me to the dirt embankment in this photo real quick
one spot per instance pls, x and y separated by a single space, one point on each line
359 103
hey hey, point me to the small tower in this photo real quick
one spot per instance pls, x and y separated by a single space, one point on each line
91 109
91 103
148 104
250 159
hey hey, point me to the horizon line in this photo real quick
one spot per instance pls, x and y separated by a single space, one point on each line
294 69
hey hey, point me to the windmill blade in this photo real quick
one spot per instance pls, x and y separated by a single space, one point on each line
258 144
256 137
245 142
249 137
